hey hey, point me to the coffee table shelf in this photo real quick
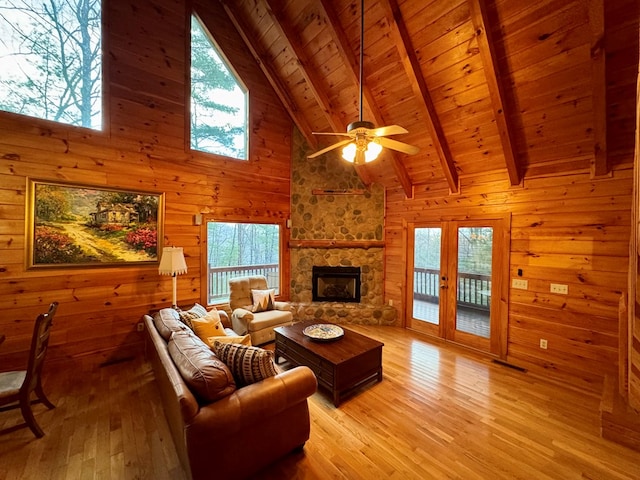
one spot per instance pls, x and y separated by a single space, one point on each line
340 366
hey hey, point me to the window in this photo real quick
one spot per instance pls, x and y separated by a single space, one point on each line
218 100
51 60
239 249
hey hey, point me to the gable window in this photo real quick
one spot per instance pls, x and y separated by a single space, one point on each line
238 250
218 100
51 60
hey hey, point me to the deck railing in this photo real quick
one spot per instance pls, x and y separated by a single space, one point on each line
219 278
473 290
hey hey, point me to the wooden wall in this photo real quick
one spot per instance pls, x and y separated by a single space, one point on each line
142 147
630 372
566 229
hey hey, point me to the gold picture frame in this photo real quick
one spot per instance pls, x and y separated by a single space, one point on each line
73 225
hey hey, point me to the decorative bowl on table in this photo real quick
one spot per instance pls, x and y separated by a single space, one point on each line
323 332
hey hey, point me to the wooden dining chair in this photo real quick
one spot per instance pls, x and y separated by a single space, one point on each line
17 386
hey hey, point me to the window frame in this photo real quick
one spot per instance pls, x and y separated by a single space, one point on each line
283 255
239 80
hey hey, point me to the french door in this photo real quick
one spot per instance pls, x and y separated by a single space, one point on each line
455 281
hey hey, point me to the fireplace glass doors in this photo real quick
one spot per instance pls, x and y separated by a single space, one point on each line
335 284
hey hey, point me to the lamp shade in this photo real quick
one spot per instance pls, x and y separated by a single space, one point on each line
172 261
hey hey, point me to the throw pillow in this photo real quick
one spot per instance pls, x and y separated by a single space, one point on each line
241 339
205 374
247 364
263 300
208 326
197 311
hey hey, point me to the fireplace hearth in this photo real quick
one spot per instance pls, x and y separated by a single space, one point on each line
335 284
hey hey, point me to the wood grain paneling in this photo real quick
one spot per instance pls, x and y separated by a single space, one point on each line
570 230
629 378
144 149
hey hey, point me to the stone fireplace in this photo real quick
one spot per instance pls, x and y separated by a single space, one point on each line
336 222
335 284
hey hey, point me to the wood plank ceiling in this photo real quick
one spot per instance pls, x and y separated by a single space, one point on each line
483 86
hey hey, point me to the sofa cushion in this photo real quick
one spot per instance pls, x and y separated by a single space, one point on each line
247 364
263 300
206 375
197 311
167 321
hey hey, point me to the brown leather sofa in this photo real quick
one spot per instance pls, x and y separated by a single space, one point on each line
238 434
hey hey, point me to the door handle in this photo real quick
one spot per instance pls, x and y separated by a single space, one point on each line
443 286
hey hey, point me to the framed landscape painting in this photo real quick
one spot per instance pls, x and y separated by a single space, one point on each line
80 226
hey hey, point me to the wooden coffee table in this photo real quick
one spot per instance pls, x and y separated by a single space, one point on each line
339 365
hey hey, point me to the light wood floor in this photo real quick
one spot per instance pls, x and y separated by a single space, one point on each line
439 413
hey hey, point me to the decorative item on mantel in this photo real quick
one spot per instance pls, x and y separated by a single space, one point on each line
173 263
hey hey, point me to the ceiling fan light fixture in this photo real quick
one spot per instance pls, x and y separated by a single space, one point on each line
370 149
349 152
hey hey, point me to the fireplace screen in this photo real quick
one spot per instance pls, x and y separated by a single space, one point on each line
336 284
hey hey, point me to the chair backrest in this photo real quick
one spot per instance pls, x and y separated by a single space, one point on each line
39 345
240 290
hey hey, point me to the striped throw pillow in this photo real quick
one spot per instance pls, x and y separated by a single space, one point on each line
247 364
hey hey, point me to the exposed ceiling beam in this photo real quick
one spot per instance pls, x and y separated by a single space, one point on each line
261 59
287 35
351 63
314 82
496 85
402 41
599 164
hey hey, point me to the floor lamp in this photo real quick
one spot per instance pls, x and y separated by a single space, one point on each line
172 263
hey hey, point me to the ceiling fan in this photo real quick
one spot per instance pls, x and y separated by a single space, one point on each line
365 142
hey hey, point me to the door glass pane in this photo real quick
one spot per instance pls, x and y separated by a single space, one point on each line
474 280
426 275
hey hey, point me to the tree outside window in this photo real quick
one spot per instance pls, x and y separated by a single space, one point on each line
218 100
51 60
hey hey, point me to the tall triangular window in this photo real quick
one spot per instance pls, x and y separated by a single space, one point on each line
219 99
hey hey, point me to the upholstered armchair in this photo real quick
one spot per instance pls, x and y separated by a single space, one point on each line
254 309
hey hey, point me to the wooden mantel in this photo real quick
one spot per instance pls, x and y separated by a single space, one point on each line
336 244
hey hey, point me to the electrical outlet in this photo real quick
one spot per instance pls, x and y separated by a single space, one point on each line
559 288
519 283
543 343
140 326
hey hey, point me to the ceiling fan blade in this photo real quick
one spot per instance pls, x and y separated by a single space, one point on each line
399 146
388 130
329 148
